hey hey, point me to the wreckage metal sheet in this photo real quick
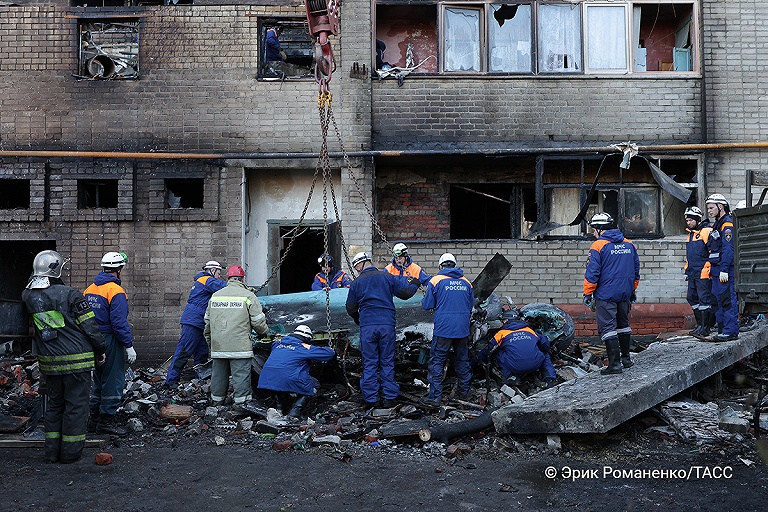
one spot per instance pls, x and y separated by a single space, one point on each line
597 403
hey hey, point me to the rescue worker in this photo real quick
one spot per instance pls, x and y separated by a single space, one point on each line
287 369
232 313
274 52
370 305
610 281
329 277
109 302
518 350
403 265
720 246
697 266
192 342
66 342
451 295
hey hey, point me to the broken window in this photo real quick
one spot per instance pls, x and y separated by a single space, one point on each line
184 193
491 210
285 53
109 49
97 193
645 202
621 37
15 194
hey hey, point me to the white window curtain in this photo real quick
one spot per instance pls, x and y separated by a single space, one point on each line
510 43
559 29
606 38
462 40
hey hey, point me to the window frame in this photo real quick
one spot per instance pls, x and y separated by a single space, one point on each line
83 62
264 72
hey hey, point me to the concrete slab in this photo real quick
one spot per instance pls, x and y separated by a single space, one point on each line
597 403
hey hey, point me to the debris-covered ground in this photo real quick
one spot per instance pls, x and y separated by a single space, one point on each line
698 449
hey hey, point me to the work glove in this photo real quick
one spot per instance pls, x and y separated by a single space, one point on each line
100 359
130 354
633 298
589 301
283 55
685 277
723 277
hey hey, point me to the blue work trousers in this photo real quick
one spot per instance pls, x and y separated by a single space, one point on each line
439 351
191 344
699 294
377 345
727 313
109 378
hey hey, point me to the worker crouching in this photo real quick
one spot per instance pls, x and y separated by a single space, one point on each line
286 371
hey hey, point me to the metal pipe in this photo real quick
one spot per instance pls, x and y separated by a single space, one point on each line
157 155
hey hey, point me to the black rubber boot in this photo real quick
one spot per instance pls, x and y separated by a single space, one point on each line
297 406
93 421
697 313
624 342
108 425
614 357
707 322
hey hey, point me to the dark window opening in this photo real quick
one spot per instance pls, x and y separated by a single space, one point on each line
97 194
489 210
185 193
286 49
109 50
15 194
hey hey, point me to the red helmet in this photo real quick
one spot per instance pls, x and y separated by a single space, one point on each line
235 271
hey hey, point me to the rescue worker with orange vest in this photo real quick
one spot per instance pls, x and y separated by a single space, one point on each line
720 245
610 281
697 266
451 295
403 265
67 343
192 342
109 302
329 277
518 350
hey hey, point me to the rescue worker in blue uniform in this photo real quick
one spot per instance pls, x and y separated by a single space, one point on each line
451 295
192 342
697 266
66 342
371 306
287 369
274 52
110 305
518 350
329 277
610 281
402 265
720 246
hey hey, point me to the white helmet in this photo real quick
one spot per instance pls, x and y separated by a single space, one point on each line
447 260
114 260
213 264
48 264
303 331
716 199
601 220
360 258
400 250
693 212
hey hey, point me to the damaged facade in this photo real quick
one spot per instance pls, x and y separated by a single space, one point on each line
490 137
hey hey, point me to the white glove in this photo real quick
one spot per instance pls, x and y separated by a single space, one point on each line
723 277
130 353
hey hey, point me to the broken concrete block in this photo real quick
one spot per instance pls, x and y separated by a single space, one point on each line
264 427
176 412
332 440
219 440
145 388
731 422
245 424
211 413
132 408
103 459
135 425
553 441
510 392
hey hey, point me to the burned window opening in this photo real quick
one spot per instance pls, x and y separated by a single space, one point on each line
97 194
288 53
491 210
541 37
109 50
185 193
16 194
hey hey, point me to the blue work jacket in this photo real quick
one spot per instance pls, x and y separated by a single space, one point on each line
287 368
613 268
203 287
720 244
451 295
369 301
410 269
517 349
340 279
696 252
109 303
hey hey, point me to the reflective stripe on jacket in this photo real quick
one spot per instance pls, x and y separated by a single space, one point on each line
232 312
517 349
720 244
